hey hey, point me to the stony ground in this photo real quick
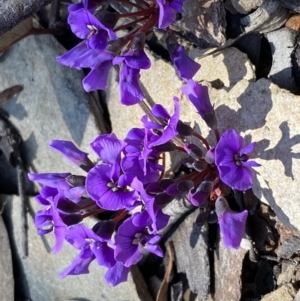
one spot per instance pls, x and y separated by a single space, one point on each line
249 60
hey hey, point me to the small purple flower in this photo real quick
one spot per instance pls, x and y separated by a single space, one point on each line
48 219
168 11
108 148
92 246
199 97
166 125
130 90
231 158
185 66
116 274
87 27
232 224
110 189
132 238
72 153
54 180
136 162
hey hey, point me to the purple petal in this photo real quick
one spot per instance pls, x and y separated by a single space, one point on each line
232 226
72 56
117 274
167 15
69 150
198 95
170 131
104 254
97 78
127 250
130 91
250 164
59 232
237 177
80 265
54 180
155 249
108 147
186 67
247 150
110 198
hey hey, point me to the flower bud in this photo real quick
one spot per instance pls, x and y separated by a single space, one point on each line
184 129
210 156
194 151
180 187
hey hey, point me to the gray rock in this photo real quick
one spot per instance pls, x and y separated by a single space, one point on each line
282 43
53 105
204 19
245 6
286 292
6 275
228 66
228 264
191 254
269 16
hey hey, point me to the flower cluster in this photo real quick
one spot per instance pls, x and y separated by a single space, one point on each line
128 182
126 188
102 47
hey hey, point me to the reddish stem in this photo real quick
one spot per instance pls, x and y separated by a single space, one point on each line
217 134
202 139
144 12
93 212
131 23
121 214
88 205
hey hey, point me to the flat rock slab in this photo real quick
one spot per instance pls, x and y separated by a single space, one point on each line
205 19
6 275
229 66
228 265
53 104
39 271
191 254
286 292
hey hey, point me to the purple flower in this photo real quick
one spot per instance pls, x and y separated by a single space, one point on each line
198 196
186 67
116 274
72 153
199 97
166 125
130 90
48 219
232 224
231 158
136 162
87 27
92 246
108 148
54 180
168 11
110 189
132 238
